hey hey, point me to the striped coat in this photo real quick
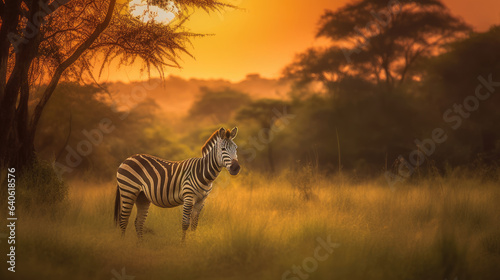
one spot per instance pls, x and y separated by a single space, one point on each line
144 179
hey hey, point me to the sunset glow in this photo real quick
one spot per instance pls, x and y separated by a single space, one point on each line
250 139
263 36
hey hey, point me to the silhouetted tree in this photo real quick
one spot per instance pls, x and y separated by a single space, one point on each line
466 79
45 41
377 40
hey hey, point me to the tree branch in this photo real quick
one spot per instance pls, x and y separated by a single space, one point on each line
68 62
10 12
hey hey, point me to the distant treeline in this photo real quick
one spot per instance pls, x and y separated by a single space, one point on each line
372 112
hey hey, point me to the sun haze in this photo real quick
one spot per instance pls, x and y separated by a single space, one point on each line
263 36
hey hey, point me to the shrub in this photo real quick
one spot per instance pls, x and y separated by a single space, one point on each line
39 184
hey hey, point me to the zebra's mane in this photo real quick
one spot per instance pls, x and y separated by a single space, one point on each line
208 146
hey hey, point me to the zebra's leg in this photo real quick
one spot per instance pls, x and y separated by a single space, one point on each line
198 206
127 202
142 204
187 209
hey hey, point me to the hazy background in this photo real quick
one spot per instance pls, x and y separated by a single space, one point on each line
264 35
327 144
256 64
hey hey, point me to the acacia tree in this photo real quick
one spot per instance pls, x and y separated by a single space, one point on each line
377 40
45 41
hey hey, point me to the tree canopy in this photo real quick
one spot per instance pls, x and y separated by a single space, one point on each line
44 42
378 40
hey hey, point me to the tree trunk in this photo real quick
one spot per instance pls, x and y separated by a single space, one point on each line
489 139
16 137
20 150
17 130
24 156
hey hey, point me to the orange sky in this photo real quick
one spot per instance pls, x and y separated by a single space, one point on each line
264 37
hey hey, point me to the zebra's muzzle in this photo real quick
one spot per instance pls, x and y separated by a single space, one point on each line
235 167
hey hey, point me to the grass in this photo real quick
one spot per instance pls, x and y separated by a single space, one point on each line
255 228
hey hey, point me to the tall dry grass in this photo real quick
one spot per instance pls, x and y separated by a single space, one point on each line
257 228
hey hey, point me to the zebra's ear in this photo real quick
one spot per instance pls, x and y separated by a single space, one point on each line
222 132
234 132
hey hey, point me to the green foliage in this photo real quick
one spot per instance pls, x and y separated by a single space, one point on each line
389 76
77 111
372 126
379 41
39 186
217 106
452 78
263 111
266 118
163 143
369 130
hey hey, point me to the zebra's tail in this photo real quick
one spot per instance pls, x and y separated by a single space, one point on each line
117 206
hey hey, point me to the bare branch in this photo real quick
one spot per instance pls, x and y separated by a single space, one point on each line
70 60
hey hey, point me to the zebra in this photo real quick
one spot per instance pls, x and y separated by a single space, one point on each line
144 179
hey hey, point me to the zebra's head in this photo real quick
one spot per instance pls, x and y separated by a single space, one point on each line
227 150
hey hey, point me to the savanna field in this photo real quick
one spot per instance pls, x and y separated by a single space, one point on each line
315 101
255 227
